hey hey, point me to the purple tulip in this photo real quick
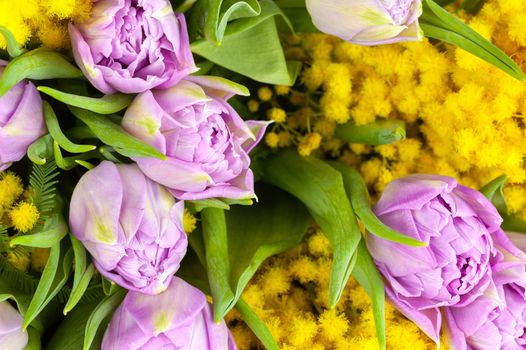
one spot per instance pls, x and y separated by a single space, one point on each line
21 121
455 268
11 335
132 226
132 46
496 319
368 22
179 318
205 141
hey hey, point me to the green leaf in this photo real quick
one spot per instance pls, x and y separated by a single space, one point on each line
218 265
300 18
357 192
321 189
13 48
107 104
367 275
54 277
247 43
55 131
38 64
69 163
380 132
211 16
493 191
81 259
113 135
439 24
34 341
40 151
55 228
43 181
256 325
100 314
220 203
472 6
78 291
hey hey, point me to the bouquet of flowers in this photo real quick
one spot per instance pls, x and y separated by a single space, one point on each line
249 174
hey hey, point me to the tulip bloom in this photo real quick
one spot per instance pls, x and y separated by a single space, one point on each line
368 22
204 139
11 335
132 226
179 318
460 226
21 121
496 319
132 46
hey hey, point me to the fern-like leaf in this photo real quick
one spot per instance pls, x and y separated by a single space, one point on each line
42 180
4 239
20 280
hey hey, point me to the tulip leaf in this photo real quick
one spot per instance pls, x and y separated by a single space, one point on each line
256 325
78 291
40 151
357 192
439 24
54 229
220 202
243 248
493 191
55 132
300 18
80 259
367 275
54 277
113 135
13 48
247 43
107 104
38 64
69 163
472 6
101 315
218 264
34 341
320 187
380 132
212 16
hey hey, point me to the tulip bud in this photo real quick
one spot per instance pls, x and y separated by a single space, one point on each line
132 226
368 22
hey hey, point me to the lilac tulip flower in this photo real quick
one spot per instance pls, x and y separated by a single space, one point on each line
204 139
179 318
21 121
496 319
11 335
132 46
132 226
368 22
458 223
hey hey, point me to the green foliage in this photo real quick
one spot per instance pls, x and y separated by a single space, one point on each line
113 135
380 132
256 325
439 24
40 151
38 64
13 48
107 104
321 189
472 6
43 180
251 47
367 275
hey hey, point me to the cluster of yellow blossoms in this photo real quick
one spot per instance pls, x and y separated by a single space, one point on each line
20 215
41 22
464 118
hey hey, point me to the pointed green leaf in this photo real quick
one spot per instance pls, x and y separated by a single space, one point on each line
380 132
357 192
80 258
13 48
51 233
439 24
113 135
472 6
38 64
367 275
256 325
55 131
78 291
493 191
101 314
54 277
321 189
107 104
